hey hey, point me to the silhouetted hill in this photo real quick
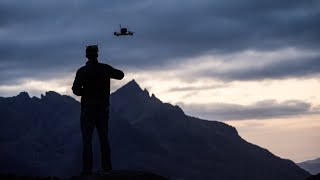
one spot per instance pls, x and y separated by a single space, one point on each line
314 177
312 166
41 136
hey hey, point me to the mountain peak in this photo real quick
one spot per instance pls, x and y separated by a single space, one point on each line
132 92
131 86
51 95
23 95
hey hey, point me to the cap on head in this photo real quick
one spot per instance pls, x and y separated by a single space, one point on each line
92 51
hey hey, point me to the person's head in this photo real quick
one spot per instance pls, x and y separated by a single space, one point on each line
92 52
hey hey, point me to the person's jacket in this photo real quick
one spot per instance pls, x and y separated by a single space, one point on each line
92 82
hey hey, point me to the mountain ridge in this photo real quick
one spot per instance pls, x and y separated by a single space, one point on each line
145 134
312 166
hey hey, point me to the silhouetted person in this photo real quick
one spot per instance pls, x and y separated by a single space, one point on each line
92 83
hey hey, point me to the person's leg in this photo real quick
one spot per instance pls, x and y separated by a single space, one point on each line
102 129
87 127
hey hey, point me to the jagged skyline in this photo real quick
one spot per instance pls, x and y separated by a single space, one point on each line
145 134
137 88
253 64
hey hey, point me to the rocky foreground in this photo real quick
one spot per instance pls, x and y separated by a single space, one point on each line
113 175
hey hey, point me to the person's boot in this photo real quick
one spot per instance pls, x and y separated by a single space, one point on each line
106 165
86 173
107 169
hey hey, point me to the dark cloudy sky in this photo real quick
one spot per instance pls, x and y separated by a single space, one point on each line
249 61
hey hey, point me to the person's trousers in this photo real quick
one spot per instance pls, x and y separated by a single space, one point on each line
91 118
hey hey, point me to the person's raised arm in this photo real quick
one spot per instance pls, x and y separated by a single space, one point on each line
115 73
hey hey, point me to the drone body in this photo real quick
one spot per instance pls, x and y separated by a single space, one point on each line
123 32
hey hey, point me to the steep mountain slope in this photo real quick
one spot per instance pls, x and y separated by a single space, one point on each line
42 137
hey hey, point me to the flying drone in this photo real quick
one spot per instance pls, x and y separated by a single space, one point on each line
123 32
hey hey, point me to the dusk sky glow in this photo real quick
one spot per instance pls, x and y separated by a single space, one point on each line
252 64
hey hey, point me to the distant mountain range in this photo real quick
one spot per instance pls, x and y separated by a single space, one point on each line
41 136
312 166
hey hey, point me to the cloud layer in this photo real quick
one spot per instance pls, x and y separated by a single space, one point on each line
266 109
43 36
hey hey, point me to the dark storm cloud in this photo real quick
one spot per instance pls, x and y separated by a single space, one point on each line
275 70
51 35
260 110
